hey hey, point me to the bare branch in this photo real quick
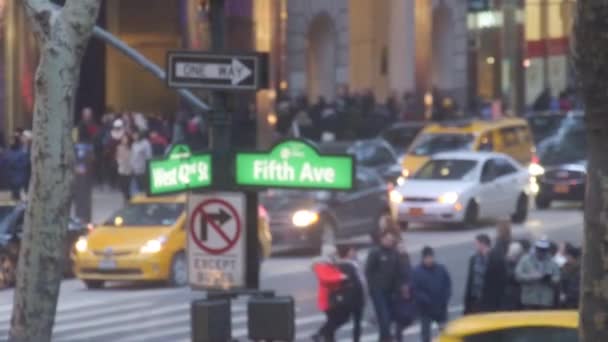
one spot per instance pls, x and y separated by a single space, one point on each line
81 16
41 14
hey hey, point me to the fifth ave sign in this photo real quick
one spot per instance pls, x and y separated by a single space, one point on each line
188 69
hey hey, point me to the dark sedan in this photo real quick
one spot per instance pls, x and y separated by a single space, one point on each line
11 230
401 135
375 154
563 157
306 219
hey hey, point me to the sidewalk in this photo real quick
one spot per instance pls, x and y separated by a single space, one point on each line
105 202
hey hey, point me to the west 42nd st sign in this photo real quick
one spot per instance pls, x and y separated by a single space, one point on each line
294 164
181 171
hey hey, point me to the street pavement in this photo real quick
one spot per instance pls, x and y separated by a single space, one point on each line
135 312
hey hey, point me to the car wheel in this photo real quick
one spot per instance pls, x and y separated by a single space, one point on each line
471 215
7 272
94 284
521 210
178 275
542 202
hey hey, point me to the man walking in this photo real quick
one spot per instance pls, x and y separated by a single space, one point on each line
539 276
487 278
432 288
383 272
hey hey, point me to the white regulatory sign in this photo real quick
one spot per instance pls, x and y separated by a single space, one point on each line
216 240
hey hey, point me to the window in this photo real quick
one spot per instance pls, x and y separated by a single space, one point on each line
509 136
429 144
446 169
528 334
488 172
372 154
366 180
523 134
486 143
147 214
504 167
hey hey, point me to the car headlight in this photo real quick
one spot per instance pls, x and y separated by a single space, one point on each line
405 173
81 245
304 218
536 170
153 246
395 197
448 198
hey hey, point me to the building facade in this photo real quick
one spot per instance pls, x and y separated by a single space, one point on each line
475 51
389 47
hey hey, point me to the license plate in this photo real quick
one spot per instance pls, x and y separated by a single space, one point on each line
107 264
561 188
416 212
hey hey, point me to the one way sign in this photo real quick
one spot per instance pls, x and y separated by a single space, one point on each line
188 69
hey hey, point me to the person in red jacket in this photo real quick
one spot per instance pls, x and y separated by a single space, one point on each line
329 279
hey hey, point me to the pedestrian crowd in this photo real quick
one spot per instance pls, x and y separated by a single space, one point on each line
509 275
355 115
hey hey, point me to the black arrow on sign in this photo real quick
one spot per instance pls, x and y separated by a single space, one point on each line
219 218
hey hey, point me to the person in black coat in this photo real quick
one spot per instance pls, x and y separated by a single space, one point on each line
487 278
383 273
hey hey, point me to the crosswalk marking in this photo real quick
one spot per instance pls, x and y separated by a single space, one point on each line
160 316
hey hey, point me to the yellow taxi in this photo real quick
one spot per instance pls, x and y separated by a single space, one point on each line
510 136
143 241
558 326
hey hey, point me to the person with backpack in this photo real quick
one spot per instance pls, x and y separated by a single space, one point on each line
329 279
351 292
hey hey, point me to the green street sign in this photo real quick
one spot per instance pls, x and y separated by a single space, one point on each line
181 171
295 164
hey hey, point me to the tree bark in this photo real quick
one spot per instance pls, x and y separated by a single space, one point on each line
590 55
62 36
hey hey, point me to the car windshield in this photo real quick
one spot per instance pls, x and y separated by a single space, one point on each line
544 126
430 144
400 138
146 214
5 217
446 169
568 145
370 154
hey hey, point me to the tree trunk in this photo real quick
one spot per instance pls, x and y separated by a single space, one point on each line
62 36
590 55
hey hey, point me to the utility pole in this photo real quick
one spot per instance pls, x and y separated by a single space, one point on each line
219 120
220 147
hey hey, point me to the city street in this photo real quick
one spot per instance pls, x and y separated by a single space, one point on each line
131 312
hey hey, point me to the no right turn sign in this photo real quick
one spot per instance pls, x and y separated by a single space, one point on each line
216 240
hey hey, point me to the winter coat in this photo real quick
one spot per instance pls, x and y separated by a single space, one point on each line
432 288
141 152
351 287
123 160
329 278
495 280
383 269
17 163
539 280
570 285
512 297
